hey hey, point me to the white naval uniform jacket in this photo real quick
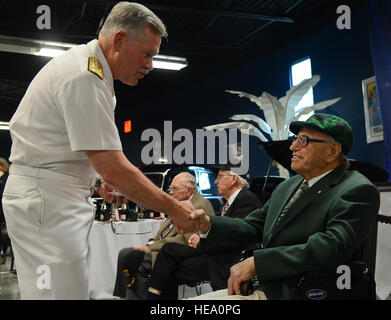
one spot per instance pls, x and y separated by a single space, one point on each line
66 109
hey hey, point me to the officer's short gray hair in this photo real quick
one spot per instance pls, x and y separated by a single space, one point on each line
132 18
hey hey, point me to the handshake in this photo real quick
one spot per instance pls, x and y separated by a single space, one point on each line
241 273
182 213
195 220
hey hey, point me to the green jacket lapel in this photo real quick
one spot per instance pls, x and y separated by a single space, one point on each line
284 201
317 190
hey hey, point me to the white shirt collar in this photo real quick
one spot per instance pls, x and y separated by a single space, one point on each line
233 196
316 179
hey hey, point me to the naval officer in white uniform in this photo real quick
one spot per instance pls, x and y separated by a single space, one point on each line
64 137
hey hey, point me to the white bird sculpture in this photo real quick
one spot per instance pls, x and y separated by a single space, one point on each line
278 113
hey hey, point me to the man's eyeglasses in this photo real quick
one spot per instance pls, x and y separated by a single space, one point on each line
175 189
304 140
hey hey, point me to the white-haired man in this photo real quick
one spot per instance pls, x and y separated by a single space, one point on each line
130 282
177 263
63 137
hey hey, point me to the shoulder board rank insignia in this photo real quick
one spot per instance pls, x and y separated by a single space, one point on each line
95 66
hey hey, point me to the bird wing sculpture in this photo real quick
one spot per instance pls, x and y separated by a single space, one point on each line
295 94
251 117
318 106
274 114
278 113
253 98
242 126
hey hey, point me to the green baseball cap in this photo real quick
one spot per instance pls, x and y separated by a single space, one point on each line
334 126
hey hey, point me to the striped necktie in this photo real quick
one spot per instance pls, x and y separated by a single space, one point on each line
304 187
225 208
165 231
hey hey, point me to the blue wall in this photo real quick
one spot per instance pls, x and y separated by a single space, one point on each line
341 57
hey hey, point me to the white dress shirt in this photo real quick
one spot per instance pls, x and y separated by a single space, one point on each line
230 201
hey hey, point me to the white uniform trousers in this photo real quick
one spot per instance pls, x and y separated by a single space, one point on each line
48 221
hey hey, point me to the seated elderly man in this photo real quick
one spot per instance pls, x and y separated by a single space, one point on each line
136 262
180 264
314 221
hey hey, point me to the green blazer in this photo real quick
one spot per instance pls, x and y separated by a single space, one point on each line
320 231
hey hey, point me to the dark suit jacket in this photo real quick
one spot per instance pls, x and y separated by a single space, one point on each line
223 256
244 203
320 231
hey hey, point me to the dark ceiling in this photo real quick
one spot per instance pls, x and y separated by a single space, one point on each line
214 35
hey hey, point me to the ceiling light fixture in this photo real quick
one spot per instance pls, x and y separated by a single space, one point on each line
33 46
4 125
169 62
49 52
53 49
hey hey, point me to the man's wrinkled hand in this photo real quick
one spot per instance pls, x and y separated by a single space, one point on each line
183 224
194 240
105 192
201 219
198 221
241 274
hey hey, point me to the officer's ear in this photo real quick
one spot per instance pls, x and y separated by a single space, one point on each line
119 40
